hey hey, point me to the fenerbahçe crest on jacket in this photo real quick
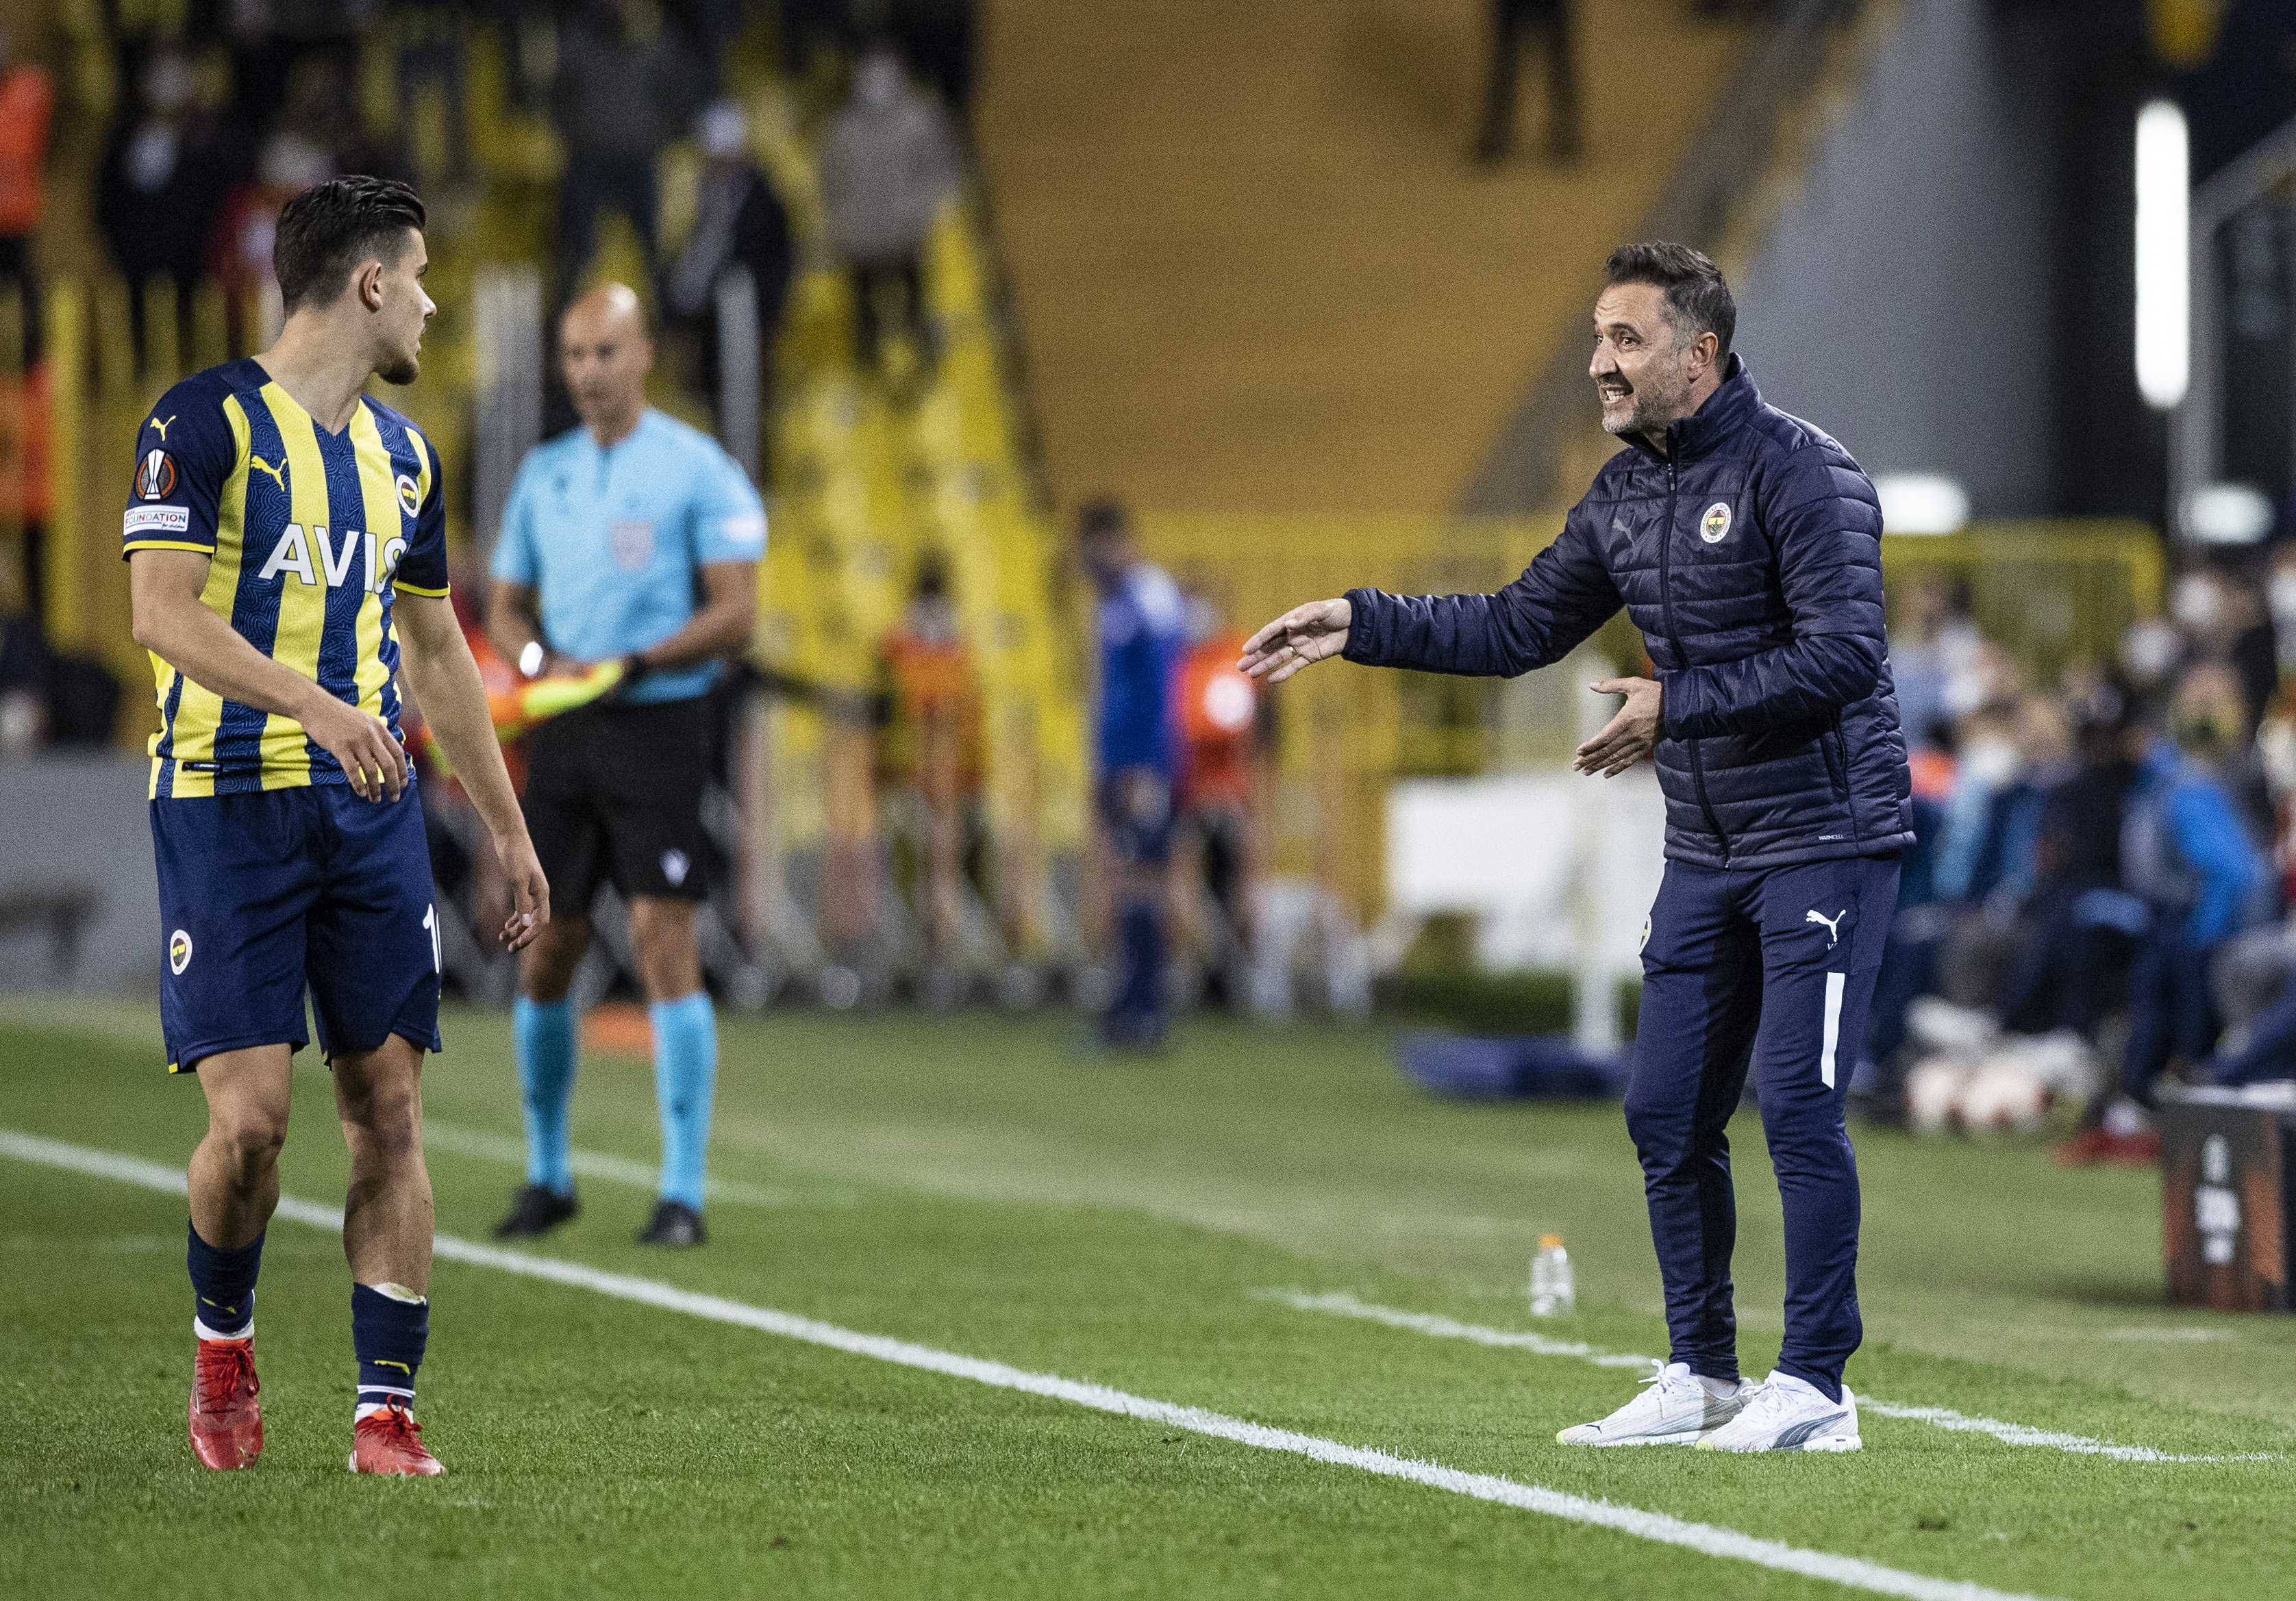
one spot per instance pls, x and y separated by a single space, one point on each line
310 535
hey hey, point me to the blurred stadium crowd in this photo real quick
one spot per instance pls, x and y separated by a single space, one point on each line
2099 895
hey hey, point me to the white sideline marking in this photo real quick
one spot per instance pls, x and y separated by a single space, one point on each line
590 1165
1344 1306
1706 1539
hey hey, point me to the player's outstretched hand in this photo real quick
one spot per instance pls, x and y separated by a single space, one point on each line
1628 737
530 894
374 763
1303 635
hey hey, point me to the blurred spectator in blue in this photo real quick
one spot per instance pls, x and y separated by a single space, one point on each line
2079 925
1140 628
1987 768
2187 852
740 222
627 85
887 161
1936 658
163 172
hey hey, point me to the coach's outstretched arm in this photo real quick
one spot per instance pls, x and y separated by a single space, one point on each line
1561 598
436 661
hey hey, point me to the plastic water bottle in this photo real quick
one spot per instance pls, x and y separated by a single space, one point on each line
1551 1294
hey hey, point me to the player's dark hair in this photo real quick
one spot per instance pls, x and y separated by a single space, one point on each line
1697 296
1103 516
328 230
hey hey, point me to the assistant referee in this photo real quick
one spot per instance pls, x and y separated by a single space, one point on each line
1746 546
631 537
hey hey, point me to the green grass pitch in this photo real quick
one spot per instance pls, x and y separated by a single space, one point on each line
975 1185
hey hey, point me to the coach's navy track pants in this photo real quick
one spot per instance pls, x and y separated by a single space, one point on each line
1771 969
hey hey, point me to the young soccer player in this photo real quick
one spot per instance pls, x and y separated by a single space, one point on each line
287 560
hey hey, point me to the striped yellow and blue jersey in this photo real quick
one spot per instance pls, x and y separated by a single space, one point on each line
310 535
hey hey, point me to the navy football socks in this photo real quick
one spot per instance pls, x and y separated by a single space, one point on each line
390 1325
223 1288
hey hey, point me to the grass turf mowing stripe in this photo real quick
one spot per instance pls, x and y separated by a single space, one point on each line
1343 1305
1706 1539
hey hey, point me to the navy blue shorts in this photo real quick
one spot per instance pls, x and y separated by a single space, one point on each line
263 895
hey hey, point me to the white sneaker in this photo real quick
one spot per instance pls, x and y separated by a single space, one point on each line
1789 1414
1674 1409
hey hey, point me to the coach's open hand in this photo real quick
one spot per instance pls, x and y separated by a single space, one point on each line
1301 635
1628 737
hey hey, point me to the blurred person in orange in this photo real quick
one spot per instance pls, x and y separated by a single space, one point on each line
1223 740
929 752
28 96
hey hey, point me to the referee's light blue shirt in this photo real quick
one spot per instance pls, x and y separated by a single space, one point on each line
613 539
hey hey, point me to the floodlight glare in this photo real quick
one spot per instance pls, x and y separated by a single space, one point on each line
2228 514
2164 287
1921 503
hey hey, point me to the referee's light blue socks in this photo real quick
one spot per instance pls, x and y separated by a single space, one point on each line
545 1033
684 1081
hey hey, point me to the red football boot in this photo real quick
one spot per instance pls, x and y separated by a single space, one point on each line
386 1442
226 1421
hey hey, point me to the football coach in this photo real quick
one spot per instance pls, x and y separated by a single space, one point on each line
1746 546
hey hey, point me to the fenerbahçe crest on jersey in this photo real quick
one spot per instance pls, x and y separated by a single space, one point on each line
310 534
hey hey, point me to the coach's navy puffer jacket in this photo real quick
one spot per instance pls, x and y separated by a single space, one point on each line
1750 559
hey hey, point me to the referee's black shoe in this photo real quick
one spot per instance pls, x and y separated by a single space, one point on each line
675 1224
537 1211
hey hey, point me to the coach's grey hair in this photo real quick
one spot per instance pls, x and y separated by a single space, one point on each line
1697 299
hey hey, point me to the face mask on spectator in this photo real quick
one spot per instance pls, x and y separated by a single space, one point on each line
2149 649
1989 761
2198 604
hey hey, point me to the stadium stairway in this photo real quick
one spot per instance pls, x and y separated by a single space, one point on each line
1255 268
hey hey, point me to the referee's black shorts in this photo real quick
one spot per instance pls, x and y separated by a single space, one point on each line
614 792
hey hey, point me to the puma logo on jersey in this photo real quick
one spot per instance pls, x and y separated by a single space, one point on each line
278 473
161 427
308 554
1832 923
